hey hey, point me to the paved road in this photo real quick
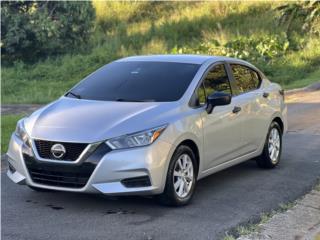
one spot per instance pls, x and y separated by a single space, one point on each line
221 202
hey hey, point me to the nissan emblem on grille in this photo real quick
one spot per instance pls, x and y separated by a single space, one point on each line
58 150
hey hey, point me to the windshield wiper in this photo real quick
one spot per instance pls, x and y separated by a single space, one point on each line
132 100
73 94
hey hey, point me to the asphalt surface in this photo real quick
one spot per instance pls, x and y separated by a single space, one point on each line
222 201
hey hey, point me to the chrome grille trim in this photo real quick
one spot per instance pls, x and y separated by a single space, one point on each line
85 153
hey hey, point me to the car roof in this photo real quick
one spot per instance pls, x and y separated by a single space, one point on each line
180 58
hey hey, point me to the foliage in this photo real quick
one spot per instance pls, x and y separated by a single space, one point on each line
251 48
30 30
308 11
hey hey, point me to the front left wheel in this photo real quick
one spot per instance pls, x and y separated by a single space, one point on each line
181 178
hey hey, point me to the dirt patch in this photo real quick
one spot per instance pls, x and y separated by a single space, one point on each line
303 97
8 109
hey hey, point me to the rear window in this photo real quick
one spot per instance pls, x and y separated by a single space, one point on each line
137 81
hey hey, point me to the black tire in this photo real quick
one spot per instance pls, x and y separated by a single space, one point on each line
169 196
264 160
40 189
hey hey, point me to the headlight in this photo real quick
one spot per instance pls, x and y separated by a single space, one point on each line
138 139
21 133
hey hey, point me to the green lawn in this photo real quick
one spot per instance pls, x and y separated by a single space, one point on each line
8 125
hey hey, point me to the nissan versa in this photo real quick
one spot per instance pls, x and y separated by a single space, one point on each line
151 125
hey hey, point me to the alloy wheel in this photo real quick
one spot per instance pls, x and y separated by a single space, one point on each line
274 144
183 176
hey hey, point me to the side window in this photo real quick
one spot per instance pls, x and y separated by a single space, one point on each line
217 80
246 79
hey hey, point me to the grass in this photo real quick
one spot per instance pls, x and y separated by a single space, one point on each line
311 78
228 237
8 125
124 29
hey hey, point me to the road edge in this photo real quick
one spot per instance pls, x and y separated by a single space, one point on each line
272 224
312 87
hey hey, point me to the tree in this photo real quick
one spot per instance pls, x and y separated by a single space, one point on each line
30 30
309 11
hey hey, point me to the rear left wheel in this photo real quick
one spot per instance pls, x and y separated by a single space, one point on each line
271 154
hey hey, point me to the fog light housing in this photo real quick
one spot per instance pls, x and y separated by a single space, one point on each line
11 168
135 182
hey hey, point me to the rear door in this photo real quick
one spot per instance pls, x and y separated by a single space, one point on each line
247 82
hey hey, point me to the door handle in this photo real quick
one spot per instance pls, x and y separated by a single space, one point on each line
236 109
265 94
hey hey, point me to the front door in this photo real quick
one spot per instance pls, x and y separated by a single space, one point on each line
222 129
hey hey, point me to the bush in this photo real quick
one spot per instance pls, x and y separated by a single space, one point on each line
255 49
30 30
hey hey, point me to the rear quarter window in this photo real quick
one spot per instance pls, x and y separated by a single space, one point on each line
246 79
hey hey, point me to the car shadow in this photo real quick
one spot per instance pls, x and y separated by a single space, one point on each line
110 205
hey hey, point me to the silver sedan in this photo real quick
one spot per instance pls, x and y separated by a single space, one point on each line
151 125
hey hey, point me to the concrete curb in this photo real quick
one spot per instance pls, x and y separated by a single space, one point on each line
300 222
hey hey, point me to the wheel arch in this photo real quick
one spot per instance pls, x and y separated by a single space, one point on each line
195 149
280 122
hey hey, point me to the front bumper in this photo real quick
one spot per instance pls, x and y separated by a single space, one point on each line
109 171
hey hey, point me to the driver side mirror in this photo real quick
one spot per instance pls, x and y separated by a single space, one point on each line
217 99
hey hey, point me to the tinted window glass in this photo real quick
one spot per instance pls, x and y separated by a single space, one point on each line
137 81
245 78
217 80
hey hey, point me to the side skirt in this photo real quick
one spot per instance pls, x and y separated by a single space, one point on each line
230 163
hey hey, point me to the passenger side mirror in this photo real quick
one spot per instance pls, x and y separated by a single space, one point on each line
217 99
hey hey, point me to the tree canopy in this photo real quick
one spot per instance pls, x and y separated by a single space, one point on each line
33 29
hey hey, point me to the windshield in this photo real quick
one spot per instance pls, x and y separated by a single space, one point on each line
137 81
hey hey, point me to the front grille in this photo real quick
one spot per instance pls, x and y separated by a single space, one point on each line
59 175
73 150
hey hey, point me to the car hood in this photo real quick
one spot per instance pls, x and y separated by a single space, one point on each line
87 121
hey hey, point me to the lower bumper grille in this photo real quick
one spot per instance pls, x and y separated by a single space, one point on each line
136 182
11 168
59 175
